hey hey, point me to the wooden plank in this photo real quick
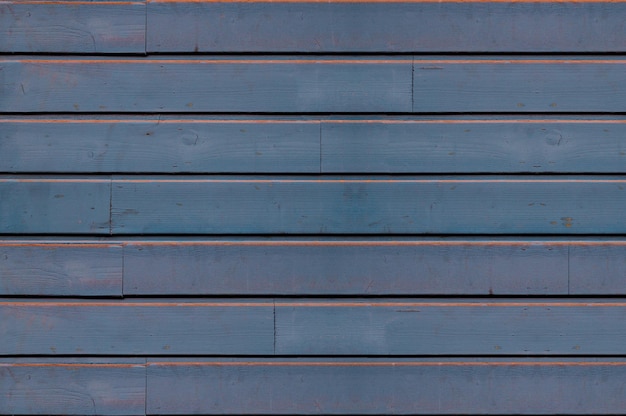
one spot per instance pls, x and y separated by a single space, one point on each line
381 26
162 145
456 205
450 327
491 145
46 268
72 26
519 85
44 205
398 386
598 269
135 327
219 84
72 386
344 267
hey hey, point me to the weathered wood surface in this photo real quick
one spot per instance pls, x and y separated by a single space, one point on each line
449 327
346 267
598 269
40 268
136 327
217 84
386 386
159 144
519 84
186 144
423 205
493 145
72 26
33 205
72 386
380 26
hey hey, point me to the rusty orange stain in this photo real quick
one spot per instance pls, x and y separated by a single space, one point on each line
156 121
73 365
385 364
72 3
209 61
448 304
385 1
337 181
137 304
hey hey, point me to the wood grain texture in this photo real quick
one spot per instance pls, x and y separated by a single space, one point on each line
518 85
183 84
398 386
599 269
72 386
49 269
44 206
473 146
159 144
478 205
72 27
344 267
364 26
136 327
444 327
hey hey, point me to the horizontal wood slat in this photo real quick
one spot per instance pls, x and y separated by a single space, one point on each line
185 144
136 327
72 386
398 386
380 26
64 206
519 85
183 84
159 144
369 206
349 267
53 269
73 26
449 327
474 146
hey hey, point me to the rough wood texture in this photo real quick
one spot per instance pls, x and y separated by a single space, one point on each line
65 206
73 26
345 267
159 144
40 268
218 84
598 269
72 386
136 327
398 386
449 327
451 84
477 205
402 26
490 145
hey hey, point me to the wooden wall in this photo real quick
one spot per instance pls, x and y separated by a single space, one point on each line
312 207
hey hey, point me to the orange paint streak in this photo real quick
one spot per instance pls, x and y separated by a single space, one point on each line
210 61
154 121
449 304
56 180
312 121
60 246
73 3
373 181
391 364
137 304
73 365
385 1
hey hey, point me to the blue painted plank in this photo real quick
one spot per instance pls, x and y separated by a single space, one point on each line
218 84
385 386
344 266
31 205
534 84
72 386
48 268
490 145
450 327
598 269
72 26
455 205
162 145
136 327
380 26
